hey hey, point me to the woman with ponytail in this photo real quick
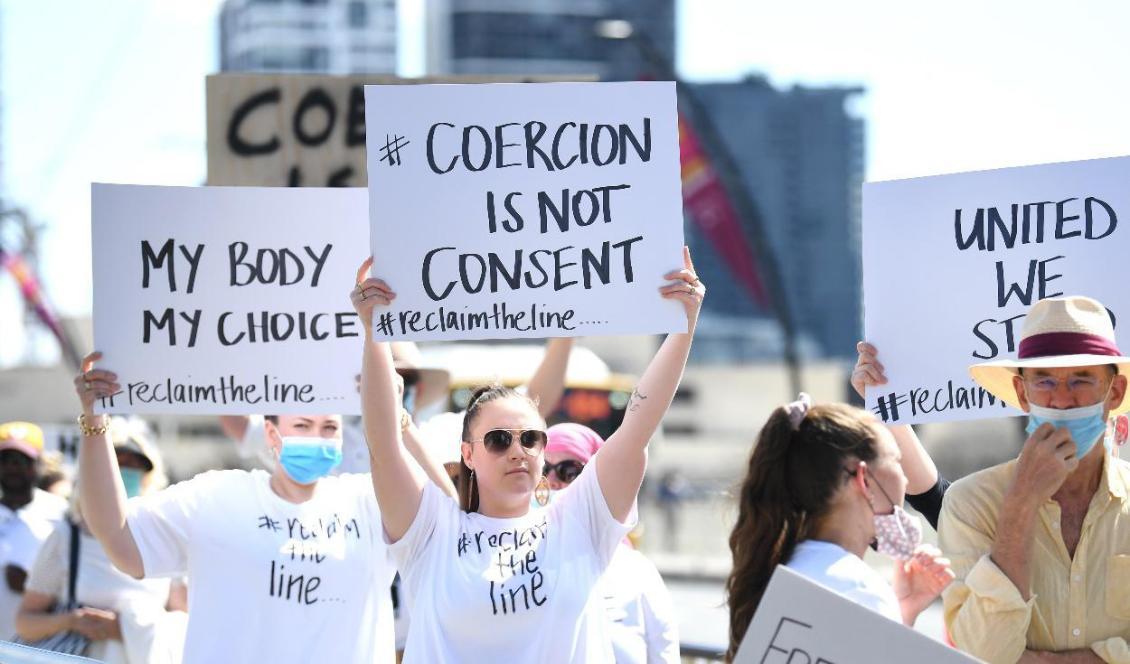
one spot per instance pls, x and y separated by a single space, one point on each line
823 484
492 578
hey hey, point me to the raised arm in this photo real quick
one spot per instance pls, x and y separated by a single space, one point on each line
100 483
921 473
424 459
623 459
548 383
398 482
235 426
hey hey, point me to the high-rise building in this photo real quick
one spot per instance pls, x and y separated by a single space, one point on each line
308 36
800 155
799 152
548 37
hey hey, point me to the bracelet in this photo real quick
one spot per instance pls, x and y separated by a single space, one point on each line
405 419
88 430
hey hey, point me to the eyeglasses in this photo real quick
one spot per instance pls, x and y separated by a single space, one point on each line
1047 384
567 470
497 441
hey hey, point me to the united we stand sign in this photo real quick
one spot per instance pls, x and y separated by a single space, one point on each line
952 263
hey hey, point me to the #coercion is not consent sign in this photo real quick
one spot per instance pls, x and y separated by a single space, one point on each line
524 210
952 263
228 300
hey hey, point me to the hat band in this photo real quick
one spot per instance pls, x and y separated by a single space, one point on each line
1066 343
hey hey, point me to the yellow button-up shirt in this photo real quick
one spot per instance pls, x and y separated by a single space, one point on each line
1075 603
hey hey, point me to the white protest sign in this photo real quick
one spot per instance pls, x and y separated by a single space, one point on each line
952 263
228 300
524 210
801 622
297 129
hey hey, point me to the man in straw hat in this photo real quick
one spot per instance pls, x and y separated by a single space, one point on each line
1040 544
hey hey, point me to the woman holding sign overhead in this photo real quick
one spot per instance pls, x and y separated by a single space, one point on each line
286 566
492 578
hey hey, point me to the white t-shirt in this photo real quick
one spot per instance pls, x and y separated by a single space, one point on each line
510 590
642 615
22 532
843 572
270 580
99 584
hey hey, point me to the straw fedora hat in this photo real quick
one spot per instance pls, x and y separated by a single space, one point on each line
1058 332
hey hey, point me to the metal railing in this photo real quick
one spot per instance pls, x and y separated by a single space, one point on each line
14 653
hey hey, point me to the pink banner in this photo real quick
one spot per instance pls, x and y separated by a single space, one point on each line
34 296
705 200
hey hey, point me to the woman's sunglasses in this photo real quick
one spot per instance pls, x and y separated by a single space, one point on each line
498 441
567 470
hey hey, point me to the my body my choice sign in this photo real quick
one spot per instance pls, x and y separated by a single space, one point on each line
228 300
524 210
951 264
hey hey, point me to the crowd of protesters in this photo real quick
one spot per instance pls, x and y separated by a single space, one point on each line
488 535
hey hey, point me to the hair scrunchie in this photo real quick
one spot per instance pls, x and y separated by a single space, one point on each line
798 409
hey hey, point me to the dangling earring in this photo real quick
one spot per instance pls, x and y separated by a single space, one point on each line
541 492
472 477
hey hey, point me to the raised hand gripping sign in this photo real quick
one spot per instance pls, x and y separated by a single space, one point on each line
801 622
952 263
228 300
524 210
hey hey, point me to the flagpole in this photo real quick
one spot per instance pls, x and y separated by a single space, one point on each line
730 174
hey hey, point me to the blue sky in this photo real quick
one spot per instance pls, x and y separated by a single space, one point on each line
114 91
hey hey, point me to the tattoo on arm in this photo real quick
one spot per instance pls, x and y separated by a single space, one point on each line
636 400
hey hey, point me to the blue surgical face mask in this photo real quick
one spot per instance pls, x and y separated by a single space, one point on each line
307 459
1085 424
131 480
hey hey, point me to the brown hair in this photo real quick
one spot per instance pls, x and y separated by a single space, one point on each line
790 481
468 485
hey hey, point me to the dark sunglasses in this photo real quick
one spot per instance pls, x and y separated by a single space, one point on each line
567 470
498 441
